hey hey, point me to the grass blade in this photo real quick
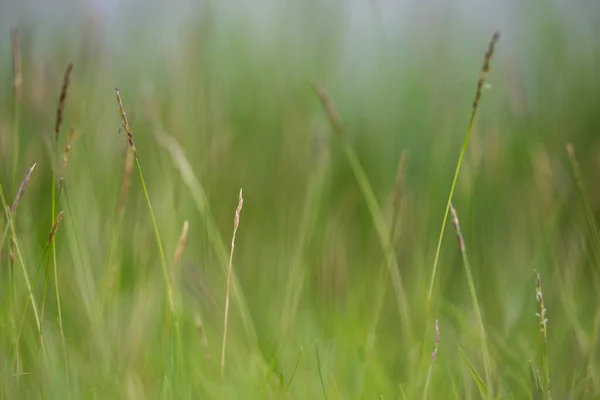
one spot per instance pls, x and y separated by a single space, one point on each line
478 92
373 207
473 372
484 346
320 372
163 262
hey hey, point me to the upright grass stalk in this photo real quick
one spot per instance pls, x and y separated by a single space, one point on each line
179 252
202 333
163 262
543 321
592 226
480 84
51 237
111 276
484 346
297 273
373 207
59 119
236 223
587 209
433 357
17 87
383 276
383 280
10 214
214 236
320 372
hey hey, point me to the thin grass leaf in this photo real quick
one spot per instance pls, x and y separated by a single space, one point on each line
402 391
321 372
537 391
214 236
374 210
294 370
473 372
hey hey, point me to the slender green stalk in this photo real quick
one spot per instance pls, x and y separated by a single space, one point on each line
116 231
480 83
214 236
163 262
320 372
57 126
433 357
161 252
297 272
293 374
374 210
15 241
51 237
383 233
484 346
383 280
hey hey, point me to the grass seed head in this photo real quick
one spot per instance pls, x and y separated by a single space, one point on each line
485 68
62 100
22 188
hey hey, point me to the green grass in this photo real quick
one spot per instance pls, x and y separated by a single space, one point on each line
344 260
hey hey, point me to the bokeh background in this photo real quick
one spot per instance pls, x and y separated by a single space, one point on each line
220 97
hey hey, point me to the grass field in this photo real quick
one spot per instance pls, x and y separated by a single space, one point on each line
353 274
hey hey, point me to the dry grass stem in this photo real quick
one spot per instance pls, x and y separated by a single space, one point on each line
236 223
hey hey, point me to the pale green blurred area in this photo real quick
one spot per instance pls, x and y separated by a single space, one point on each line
231 82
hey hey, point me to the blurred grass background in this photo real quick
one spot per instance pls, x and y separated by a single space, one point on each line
231 84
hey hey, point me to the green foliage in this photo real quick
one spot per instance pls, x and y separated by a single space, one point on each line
232 105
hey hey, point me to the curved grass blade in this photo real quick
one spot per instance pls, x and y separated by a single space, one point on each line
473 372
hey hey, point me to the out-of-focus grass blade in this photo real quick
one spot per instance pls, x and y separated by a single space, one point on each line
402 392
295 369
537 391
478 381
320 372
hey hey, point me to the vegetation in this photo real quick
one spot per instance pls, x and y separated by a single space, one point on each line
407 232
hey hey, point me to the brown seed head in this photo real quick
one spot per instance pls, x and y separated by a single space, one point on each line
329 107
22 188
126 124
55 226
62 99
485 68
